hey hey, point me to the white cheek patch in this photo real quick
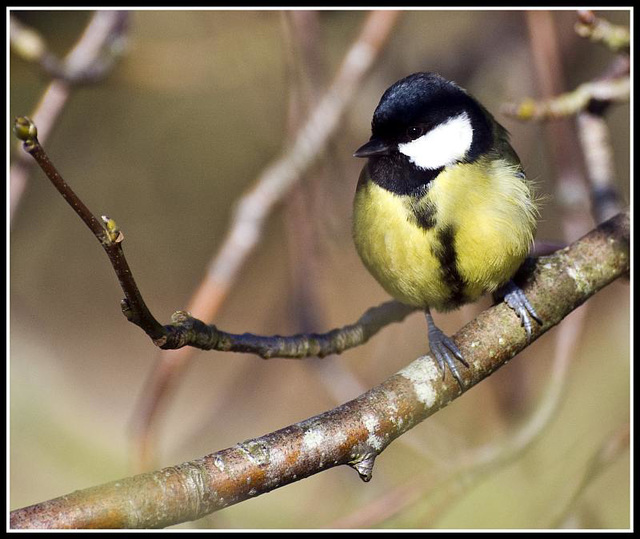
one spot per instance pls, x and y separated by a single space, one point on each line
443 145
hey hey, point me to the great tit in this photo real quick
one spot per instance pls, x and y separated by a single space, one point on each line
443 212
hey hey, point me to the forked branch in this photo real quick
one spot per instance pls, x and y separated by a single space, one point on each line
184 330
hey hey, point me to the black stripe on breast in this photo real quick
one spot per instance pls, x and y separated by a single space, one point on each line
425 214
445 252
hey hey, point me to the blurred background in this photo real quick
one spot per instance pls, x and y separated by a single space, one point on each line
200 103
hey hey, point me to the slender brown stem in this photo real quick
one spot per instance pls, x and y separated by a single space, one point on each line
186 330
193 332
133 306
89 56
37 152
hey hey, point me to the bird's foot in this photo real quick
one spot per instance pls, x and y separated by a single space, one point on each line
515 298
445 351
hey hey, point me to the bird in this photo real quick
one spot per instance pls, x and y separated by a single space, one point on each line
443 212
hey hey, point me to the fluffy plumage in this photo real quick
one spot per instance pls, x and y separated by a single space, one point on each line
443 212
482 215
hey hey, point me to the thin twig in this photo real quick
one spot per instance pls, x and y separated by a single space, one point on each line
571 190
598 155
570 103
109 236
354 433
102 43
189 331
588 103
184 329
616 38
306 205
106 28
612 87
253 209
276 181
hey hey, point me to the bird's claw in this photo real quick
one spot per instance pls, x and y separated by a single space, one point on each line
515 298
446 352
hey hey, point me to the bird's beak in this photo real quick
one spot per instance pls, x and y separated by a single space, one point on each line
372 148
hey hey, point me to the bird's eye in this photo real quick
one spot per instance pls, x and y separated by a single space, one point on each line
415 131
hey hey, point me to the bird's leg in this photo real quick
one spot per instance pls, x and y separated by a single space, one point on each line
444 349
514 297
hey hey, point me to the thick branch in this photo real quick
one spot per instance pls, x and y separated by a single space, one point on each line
354 433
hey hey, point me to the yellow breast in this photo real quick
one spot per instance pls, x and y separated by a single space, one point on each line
482 226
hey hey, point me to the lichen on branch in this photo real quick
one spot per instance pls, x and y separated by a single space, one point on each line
354 433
